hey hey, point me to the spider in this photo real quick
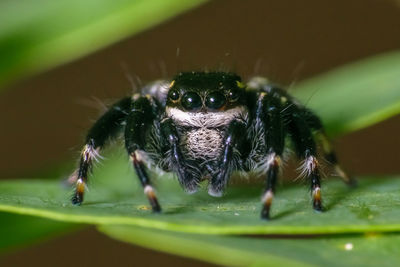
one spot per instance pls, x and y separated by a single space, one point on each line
206 125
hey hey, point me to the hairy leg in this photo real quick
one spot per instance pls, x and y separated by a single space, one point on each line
141 117
329 154
105 128
180 166
305 146
268 116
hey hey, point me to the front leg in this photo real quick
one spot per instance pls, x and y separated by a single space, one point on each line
104 129
188 180
234 138
140 119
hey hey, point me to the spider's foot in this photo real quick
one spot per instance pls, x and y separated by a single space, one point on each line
149 191
155 205
217 185
189 183
317 206
191 190
349 180
266 200
317 203
265 213
352 182
77 199
215 192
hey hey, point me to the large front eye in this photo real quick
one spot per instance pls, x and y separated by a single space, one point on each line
215 100
173 95
191 101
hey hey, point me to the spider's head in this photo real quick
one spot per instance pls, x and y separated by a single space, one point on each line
205 91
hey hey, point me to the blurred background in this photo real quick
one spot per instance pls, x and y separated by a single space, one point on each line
44 117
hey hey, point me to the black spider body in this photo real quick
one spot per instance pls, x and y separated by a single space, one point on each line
206 125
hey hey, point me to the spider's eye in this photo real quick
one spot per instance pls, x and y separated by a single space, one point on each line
173 95
233 95
215 100
191 101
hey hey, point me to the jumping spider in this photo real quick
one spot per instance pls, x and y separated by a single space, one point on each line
204 126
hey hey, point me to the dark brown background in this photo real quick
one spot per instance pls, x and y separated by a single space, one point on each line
44 118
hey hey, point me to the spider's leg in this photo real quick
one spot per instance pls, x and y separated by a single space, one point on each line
180 166
141 116
105 128
269 108
305 147
329 154
234 138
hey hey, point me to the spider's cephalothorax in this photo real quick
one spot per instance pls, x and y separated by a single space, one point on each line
204 126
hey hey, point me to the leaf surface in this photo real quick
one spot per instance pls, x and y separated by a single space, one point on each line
116 198
359 250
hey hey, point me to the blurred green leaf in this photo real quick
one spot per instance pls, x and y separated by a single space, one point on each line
18 230
363 250
117 198
37 35
356 95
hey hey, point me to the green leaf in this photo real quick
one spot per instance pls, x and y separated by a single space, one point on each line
363 250
355 96
18 230
37 35
116 198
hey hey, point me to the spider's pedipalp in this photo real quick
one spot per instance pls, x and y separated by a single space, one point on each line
187 175
234 138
